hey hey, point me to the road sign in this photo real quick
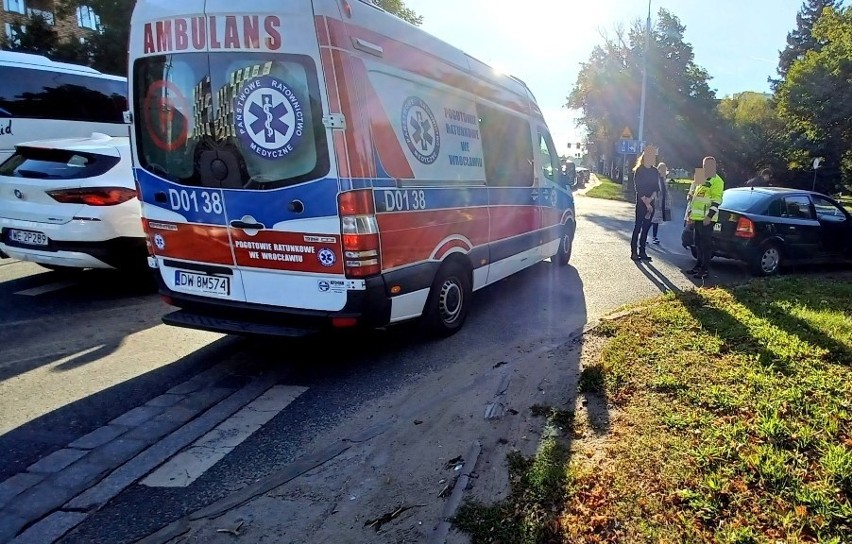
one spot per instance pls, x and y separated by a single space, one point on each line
628 147
626 134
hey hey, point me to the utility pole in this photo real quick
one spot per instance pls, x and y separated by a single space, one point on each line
645 77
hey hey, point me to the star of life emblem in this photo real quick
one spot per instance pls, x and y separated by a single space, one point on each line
269 117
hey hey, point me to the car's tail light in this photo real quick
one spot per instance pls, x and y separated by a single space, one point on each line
360 233
745 228
93 196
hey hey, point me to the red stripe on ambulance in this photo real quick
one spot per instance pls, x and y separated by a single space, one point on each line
406 240
295 251
203 243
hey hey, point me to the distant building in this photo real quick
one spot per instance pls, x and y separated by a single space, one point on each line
79 25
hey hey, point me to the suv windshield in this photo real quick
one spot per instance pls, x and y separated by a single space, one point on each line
234 121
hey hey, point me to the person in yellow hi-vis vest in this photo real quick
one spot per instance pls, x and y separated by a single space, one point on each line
703 214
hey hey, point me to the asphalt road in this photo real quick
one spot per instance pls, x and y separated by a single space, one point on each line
80 351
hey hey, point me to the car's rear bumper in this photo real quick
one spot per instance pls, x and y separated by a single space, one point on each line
740 249
114 253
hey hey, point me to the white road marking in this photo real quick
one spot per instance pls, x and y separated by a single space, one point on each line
187 466
49 288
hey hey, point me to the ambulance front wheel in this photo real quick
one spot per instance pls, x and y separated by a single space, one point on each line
566 244
449 300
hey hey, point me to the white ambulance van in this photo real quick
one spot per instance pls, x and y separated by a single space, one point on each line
316 164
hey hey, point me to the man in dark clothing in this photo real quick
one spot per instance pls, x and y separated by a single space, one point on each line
646 180
764 179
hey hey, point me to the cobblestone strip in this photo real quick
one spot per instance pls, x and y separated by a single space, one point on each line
57 478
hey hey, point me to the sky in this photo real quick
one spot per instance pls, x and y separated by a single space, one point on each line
543 42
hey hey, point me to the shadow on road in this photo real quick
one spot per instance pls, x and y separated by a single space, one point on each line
85 319
29 442
511 318
660 280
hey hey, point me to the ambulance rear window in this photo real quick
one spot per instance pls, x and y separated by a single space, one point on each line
234 121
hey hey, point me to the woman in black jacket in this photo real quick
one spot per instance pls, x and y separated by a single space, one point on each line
646 180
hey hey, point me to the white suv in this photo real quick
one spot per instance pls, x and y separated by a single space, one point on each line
72 203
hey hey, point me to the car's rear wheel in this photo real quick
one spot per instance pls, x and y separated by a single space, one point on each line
767 260
449 300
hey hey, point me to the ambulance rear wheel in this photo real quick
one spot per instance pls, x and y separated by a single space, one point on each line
566 244
449 300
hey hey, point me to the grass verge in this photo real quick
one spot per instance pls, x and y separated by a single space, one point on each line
846 202
607 189
735 426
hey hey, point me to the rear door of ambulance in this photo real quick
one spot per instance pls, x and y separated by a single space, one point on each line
256 105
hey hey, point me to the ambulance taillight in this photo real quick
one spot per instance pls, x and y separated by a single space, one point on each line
360 233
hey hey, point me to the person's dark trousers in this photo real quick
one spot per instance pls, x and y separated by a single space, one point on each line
640 232
704 245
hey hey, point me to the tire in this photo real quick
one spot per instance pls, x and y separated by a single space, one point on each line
449 301
766 261
566 244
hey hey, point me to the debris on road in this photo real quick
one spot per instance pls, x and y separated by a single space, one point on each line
454 463
445 492
232 531
387 518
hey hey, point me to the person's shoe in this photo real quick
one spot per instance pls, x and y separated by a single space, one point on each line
691 271
701 274
644 256
634 257
655 241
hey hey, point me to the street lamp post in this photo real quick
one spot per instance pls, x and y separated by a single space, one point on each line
645 77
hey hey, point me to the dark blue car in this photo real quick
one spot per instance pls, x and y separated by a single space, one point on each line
767 227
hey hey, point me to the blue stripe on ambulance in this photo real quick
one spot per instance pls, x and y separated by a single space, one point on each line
319 199
199 205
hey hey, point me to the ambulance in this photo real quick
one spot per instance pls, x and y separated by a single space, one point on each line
322 164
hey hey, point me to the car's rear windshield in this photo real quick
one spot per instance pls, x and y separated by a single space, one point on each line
31 162
741 201
238 121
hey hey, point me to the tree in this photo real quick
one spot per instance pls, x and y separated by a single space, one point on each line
36 36
801 39
398 8
680 112
815 99
108 45
753 137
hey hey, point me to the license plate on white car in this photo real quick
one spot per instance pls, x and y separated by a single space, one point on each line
202 283
28 237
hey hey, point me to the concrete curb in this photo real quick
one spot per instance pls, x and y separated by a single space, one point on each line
443 529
